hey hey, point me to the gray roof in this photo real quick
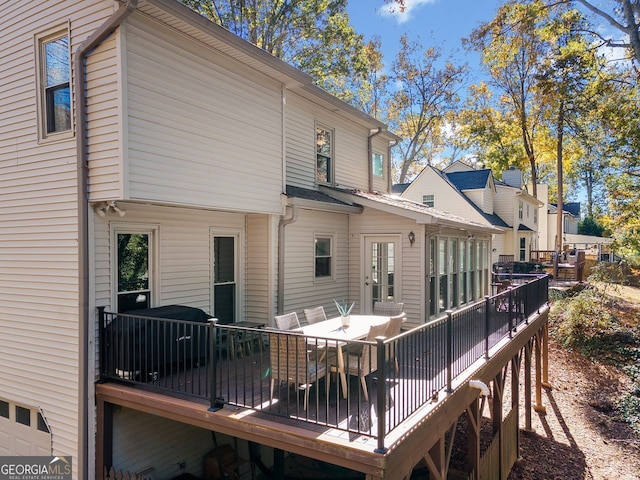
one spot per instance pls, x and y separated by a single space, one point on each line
469 180
399 188
314 195
408 208
570 207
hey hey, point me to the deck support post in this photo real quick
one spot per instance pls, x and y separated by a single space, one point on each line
516 364
474 418
104 439
527 385
496 404
545 356
538 406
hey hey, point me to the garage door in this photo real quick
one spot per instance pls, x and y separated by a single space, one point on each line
23 431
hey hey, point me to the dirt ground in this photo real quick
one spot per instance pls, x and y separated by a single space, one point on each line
577 437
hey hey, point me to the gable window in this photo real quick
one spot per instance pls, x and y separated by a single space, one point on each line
520 209
134 267
377 160
429 200
323 256
324 155
54 83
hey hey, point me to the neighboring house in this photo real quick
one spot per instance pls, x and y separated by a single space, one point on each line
599 247
475 194
141 133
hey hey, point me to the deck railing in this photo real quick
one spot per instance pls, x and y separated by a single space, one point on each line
227 364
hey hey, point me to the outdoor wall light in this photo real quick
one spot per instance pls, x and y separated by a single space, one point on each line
412 238
103 208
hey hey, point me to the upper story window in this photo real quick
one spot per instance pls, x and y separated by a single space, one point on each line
429 200
535 215
323 256
324 155
54 83
520 209
377 161
528 211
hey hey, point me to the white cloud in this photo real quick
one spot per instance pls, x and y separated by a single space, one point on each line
403 15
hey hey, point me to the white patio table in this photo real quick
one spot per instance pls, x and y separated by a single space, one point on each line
337 336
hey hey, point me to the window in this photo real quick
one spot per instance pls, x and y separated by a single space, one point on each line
523 249
535 215
23 415
323 255
429 200
528 206
134 256
324 155
520 207
377 161
4 409
54 84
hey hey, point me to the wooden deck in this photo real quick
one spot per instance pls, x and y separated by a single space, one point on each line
332 429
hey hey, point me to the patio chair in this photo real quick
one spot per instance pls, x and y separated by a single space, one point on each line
366 361
292 363
387 308
393 329
315 315
288 321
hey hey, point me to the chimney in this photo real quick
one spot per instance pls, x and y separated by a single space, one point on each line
512 177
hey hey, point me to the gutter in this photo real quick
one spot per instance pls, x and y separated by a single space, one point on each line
283 223
81 53
372 134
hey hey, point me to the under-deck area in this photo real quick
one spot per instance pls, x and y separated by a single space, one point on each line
416 394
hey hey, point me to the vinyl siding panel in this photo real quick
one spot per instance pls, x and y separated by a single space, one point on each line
447 199
184 239
39 324
350 145
260 269
104 121
302 289
203 130
142 441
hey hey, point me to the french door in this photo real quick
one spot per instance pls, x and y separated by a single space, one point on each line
380 274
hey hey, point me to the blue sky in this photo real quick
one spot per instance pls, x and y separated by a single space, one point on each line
433 22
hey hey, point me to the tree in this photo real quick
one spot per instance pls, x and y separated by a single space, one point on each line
425 94
313 35
512 52
624 16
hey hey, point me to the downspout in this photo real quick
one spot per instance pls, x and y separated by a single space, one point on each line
106 29
283 223
392 144
372 133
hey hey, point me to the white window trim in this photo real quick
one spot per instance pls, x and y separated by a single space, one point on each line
153 230
332 237
39 40
424 200
383 167
331 171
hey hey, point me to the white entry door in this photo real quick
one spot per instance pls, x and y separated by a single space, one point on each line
380 270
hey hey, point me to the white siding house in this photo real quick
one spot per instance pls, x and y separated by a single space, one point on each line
166 139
